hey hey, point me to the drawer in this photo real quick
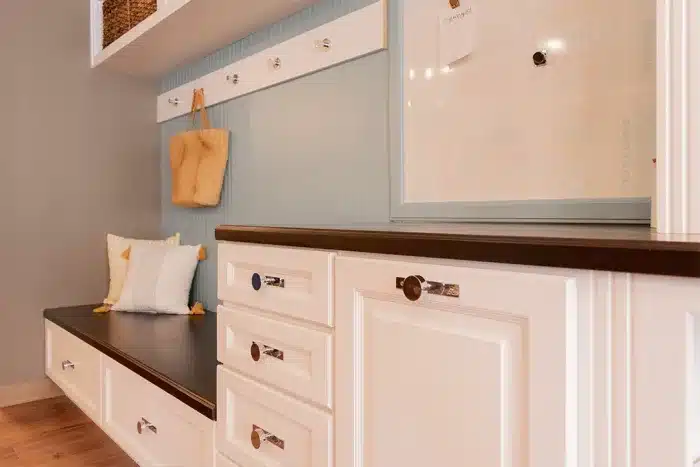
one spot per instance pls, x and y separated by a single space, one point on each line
293 358
260 427
75 367
223 461
289 281
151 426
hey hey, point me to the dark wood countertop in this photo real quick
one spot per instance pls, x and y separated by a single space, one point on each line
608 248
176 353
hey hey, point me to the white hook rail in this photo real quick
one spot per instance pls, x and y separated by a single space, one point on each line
333 43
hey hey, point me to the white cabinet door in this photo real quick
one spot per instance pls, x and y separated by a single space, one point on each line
489 378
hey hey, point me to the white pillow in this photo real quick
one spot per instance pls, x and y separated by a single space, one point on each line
159 279
118 265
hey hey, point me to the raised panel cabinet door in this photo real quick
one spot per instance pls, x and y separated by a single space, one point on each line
488 378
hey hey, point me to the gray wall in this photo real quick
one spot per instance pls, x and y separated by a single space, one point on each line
78 159
310 151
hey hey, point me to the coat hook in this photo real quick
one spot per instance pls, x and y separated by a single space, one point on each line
232 78
325 44
174 100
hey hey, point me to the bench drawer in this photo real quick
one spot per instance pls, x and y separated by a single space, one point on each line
154 428
75 367
260 427
288 281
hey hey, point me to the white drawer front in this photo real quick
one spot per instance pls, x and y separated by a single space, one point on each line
306 291
75 367
171 434
301 434
291 357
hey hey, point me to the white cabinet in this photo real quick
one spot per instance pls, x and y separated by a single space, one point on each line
75 367
489 378
152 427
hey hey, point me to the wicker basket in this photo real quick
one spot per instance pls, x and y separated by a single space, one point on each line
119 16
141 9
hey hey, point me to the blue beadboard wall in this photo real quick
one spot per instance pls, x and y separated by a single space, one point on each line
310 151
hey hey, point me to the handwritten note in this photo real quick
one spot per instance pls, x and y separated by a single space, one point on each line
457 30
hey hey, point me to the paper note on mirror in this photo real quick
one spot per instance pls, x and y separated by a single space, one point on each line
457 28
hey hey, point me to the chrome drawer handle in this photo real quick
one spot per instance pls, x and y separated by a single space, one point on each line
257 281
67 364
276 63
174 101
145 424
414 286
259 436
255 352
233 79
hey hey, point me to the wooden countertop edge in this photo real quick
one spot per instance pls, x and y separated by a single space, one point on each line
184 395
615 255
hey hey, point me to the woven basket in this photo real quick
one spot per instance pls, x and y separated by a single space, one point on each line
141 9
119 16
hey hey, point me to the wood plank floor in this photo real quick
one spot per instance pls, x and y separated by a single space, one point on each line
55 433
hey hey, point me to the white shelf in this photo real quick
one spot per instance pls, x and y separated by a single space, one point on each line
184 30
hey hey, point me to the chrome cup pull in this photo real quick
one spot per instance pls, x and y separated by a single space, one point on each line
414 286
259 436
257 281
67 364
144 424
258 350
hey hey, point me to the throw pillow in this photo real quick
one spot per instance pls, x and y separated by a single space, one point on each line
116 246
158 279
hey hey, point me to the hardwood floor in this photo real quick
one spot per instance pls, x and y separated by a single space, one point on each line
55 433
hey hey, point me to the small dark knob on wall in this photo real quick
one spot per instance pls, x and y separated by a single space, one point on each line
539 58
256 281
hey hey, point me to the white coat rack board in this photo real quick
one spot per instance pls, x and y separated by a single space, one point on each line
351 36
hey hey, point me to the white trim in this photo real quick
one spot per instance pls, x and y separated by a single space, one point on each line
678 104
351 36
28 392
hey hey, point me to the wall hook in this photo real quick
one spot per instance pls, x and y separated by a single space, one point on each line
276 63
324 45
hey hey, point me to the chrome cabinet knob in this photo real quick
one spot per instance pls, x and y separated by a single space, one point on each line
257 281
144 424
258 437
414 286
67 364
256 352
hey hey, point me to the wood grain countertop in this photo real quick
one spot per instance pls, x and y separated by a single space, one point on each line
174 352
630 249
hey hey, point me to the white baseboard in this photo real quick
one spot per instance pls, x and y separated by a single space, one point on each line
28 392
